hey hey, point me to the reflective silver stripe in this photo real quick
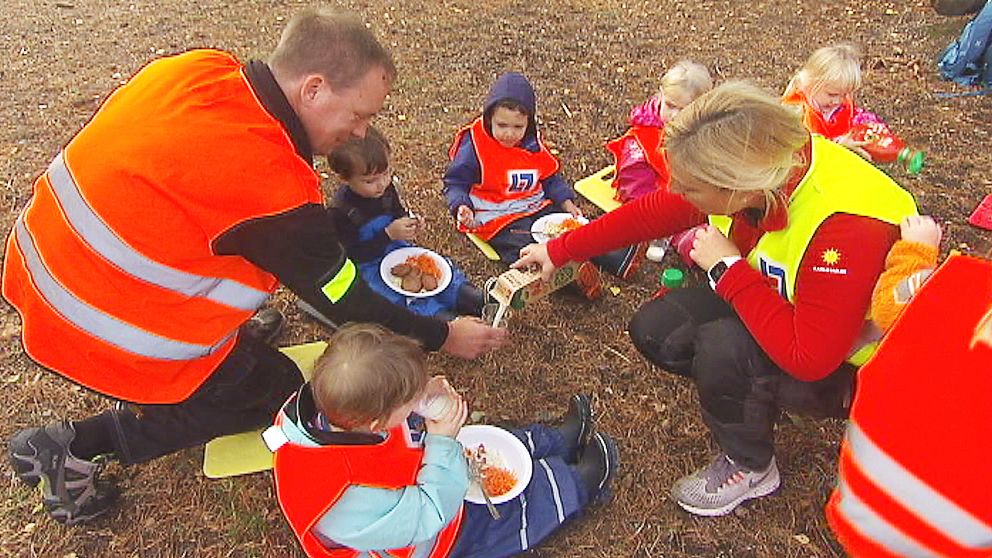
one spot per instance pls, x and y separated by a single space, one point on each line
96 323
555 493
874 527
486 210
524 543
105 242
955 522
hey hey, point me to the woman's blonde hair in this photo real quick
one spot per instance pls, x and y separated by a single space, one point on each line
691 78
838 64
736 137
366 373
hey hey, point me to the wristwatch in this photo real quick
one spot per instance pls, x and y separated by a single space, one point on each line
719 268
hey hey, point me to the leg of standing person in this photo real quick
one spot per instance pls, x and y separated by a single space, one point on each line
245 392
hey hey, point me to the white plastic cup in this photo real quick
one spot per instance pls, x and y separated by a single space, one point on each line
434 406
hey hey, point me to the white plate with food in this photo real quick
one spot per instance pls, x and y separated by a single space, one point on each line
508 465
554 225
415 272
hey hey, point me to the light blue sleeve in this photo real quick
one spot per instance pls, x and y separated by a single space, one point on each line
367 518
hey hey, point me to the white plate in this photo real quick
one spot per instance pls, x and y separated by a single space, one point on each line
399 256
511 450
539 226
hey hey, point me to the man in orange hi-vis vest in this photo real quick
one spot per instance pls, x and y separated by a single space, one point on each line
166 222
916 463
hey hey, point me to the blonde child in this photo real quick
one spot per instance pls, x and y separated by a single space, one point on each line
824 89
357 470
909 263
638 154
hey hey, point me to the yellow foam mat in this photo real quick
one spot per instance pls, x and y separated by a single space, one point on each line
240 454
484 246
598 188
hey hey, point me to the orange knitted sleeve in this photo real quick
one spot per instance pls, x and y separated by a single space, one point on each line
906 268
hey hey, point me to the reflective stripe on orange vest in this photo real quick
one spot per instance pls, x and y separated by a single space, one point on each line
916 496
96 323
105 242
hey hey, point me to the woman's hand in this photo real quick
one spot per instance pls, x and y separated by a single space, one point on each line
569 206
710 246
535 255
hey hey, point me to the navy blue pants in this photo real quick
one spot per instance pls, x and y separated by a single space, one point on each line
554 495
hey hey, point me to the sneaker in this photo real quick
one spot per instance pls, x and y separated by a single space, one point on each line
576 427
588 282
265 325
69 485
598 466
723 485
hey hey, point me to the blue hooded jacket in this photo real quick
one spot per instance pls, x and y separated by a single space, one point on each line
464 170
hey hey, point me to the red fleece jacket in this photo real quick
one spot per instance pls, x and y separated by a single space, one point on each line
808 339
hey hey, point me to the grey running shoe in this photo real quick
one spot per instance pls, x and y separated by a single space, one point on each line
722 485
69 485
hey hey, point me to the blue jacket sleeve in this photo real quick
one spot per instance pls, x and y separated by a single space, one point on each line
557 189
463 172
367 518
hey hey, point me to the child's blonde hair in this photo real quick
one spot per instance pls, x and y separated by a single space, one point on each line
838 64
736 137
691 78
366 373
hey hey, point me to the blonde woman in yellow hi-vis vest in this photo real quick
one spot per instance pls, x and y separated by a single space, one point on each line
801 230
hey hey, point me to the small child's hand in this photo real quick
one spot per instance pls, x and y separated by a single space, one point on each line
856 146
404 228
922 229
569 206
450 423
465 216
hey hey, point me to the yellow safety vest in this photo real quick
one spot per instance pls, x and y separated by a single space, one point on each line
838 181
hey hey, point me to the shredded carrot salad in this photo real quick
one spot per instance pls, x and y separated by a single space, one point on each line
498 480
562 227
426 264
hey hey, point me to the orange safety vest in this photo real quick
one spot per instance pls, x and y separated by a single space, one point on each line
310 479
651 140
914 466
814 121
111 265
510 186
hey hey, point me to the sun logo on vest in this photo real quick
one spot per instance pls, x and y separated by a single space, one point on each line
831 258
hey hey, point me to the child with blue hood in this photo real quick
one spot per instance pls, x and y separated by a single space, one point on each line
502 177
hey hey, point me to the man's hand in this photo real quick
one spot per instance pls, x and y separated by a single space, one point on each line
569 206
535 255
465 216
470 337
404 228
710 246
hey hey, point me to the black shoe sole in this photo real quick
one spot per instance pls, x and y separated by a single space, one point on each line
611 451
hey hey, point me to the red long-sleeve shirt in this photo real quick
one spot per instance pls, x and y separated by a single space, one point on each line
808 339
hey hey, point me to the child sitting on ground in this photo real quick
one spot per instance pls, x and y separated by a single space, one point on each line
502 177
824 89
639 158
909 263
371 222
356 472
